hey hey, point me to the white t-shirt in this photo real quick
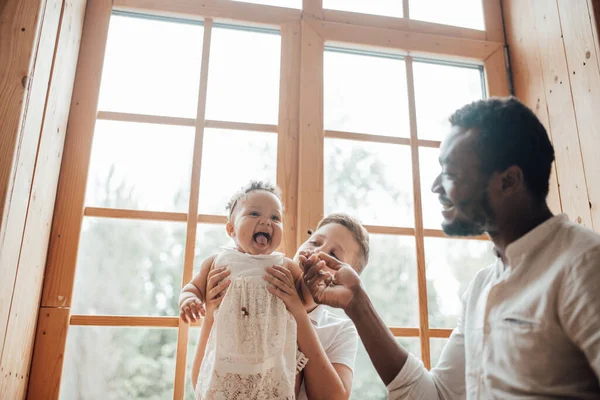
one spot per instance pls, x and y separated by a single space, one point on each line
338 337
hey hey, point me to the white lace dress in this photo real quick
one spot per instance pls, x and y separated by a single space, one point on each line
251 351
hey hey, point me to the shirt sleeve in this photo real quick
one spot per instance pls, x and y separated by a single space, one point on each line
343 349
579 307
446 381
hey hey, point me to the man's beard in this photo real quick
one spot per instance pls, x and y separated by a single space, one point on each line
475 224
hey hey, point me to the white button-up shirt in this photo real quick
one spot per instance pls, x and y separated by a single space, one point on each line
530 330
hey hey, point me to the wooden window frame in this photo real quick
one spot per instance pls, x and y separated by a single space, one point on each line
299 158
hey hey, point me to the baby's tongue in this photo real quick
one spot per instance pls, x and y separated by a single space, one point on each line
261 239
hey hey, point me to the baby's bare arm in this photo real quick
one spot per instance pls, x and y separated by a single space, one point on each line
193 294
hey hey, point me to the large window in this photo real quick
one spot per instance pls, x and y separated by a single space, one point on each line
345 111
131 258
371 176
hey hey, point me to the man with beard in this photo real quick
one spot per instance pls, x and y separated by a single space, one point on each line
530 324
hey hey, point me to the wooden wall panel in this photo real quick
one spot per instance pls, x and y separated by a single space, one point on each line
22 98
30 202
584 77
549 43
527 74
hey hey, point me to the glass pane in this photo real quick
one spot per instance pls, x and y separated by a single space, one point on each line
391 279
243 77
145 73
129 267
391 8
193 336
451 265
365 94
439 91
366 383
465 13
436 346
209 240
371 181
140 166
279 3
230 159
429 168
119 363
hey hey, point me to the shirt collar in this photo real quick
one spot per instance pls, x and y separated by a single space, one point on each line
530 241
317 315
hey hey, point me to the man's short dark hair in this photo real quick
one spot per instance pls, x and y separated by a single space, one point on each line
509 134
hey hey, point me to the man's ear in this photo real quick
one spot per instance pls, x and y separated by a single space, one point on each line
230 229
512 180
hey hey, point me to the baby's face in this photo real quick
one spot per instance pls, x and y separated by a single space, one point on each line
255 225
335 240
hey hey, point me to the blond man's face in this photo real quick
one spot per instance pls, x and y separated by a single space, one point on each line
335 240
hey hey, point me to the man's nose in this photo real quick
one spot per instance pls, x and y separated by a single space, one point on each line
436 187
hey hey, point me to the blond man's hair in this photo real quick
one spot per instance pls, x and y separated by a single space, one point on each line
251 187
359 233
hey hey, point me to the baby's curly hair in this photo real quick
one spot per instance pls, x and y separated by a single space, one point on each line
251 187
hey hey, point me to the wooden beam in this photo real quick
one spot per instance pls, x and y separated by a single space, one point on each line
28 31
20 27
406 9
312 9
418 213
192 224
440 234
64 238
217 9
68 212
496 75
389 230
240 126
584 78
401 24
311 140
527 74
404 332
363 137
18 345
289 125
145 119
562 121
124 320
101 212
492 15
405 42
162 120
46 369
440 333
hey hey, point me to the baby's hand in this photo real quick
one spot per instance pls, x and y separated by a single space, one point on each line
191 310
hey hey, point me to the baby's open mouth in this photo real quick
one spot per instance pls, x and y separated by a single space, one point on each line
262 238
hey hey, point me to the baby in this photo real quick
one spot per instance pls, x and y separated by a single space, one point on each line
251 352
